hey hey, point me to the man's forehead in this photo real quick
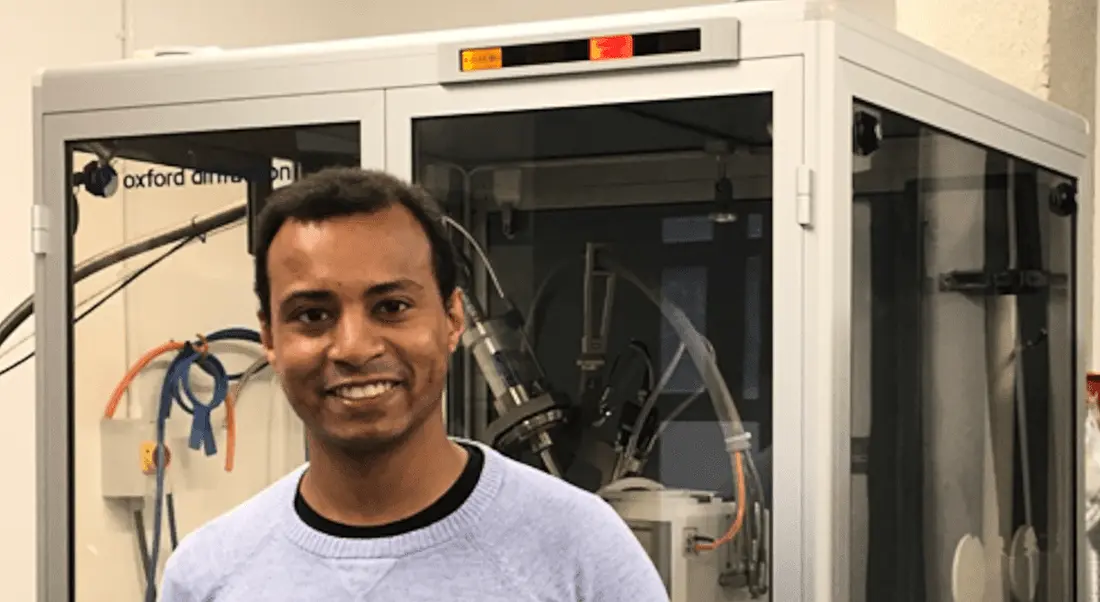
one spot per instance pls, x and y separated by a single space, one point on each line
368 247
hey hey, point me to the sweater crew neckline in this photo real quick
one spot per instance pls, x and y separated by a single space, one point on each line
461 521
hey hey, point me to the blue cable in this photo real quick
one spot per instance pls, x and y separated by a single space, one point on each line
202 430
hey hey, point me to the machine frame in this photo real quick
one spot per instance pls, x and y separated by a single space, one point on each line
814 59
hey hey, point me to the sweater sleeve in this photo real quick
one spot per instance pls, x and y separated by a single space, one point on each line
190 573
173 587
618 567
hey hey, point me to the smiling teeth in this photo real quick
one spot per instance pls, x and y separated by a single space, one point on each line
364 392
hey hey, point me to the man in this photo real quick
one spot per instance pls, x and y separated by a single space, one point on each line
359 314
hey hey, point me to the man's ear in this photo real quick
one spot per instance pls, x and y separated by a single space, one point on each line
265 338
456 318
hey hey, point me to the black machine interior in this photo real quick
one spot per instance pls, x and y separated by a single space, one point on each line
720 274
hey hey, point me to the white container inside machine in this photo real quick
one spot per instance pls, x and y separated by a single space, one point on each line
670 522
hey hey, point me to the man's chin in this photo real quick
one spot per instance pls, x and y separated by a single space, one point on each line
377 434
372 441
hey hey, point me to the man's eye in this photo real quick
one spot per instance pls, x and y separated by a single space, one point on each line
392 307
310 316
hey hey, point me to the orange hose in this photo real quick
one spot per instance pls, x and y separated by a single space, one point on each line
148 358
230 432
739 520
132 374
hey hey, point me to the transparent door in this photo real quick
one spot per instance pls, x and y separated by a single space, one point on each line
624 256
677 194
963 369
174 415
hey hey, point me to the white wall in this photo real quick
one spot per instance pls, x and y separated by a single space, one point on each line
1015 43
1012 43
31 35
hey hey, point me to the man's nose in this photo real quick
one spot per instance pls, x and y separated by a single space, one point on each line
356 341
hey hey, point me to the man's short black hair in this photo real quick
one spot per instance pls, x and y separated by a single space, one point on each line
344 191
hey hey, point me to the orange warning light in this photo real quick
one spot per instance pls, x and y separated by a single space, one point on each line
480 59
611 47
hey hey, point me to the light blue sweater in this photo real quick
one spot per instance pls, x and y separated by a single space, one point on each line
521 536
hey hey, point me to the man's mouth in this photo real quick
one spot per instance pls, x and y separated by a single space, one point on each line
355 393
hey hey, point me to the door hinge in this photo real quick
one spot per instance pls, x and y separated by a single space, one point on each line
804 196
40 229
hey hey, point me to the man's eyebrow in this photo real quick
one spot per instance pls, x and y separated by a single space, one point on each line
375 290
393 286
306 295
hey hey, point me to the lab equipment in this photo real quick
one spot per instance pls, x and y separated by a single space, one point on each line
519 412
780 278
525 403
526 407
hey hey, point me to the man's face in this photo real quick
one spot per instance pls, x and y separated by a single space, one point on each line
358 333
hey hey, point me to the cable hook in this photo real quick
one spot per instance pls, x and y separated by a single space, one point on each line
203 347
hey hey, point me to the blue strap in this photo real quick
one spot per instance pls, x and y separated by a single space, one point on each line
202 429
178 379
178 386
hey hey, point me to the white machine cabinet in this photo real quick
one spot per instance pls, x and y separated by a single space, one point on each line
884 255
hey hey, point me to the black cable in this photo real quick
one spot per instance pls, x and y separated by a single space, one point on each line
22 360
641 352
650 372
196 227
143 543
173 532
117 289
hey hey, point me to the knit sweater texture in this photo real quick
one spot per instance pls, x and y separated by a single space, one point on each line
520 536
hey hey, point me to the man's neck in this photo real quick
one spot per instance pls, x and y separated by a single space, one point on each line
383 487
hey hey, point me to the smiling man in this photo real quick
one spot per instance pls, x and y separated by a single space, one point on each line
360 313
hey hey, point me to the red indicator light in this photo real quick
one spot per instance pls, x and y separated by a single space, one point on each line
611 47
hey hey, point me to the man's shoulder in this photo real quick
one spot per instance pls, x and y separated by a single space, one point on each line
530 482
543 499
217 545
556 525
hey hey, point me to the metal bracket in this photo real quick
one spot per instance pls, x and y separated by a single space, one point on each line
1008 282
593 342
